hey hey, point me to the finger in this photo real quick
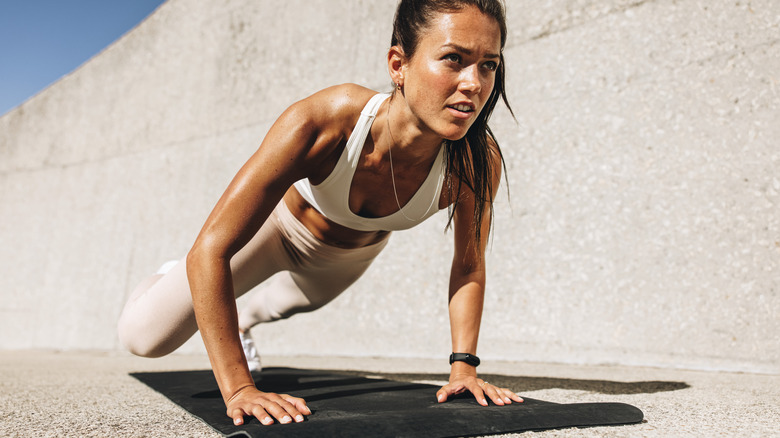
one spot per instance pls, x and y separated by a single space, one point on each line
299 403
508 396
511 395
290 407
283 411
447 390
262 416
479 394
238 416
442 394
504 394
492 392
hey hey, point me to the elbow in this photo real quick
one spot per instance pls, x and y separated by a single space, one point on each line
195 255
207 263
465 266
195 259
470 273
203 252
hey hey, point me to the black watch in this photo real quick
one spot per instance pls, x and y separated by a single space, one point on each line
464 357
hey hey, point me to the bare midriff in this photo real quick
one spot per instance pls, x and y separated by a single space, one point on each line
326 230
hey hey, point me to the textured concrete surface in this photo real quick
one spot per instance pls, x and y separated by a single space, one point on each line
88 394
642 228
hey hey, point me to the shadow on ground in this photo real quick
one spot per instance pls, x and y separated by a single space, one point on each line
539 383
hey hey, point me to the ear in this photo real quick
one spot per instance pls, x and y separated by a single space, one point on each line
396 64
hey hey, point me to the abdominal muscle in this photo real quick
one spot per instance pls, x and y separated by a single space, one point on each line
326 230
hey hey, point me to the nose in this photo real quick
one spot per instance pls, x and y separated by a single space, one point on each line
470 82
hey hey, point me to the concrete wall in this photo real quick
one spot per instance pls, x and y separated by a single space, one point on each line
643 225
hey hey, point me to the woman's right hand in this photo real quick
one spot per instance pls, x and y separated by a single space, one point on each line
265 406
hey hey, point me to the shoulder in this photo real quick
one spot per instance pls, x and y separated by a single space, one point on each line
318 126
334 107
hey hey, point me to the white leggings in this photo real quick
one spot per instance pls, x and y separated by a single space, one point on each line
158 316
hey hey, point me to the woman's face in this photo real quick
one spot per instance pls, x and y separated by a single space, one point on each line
452 72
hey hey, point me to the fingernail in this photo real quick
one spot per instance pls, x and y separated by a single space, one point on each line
508 400
237 421
299 418
268 420
286 419
484 402
440 397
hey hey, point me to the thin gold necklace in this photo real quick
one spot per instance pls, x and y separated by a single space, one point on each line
392 173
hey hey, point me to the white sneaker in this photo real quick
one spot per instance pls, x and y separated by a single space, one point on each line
252 357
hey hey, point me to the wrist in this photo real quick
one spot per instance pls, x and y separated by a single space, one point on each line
461 369
467 358
237 392
233 379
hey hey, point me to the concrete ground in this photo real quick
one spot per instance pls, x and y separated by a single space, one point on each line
52 394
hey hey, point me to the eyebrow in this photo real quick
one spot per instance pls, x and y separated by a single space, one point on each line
469 51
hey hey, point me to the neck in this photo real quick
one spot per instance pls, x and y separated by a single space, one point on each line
410 142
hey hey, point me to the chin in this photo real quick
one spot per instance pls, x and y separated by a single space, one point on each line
454 137
451 131
455 134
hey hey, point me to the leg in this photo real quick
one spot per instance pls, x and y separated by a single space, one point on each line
288 293
158 318
321 273
282 297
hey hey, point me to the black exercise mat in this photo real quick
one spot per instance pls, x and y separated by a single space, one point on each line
345 405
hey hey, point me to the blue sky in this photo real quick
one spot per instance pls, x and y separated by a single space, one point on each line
43 40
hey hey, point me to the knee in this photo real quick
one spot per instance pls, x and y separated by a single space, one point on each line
137 340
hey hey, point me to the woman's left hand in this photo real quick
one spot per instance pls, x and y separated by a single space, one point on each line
479 388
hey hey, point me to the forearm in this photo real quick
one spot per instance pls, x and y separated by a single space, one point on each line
467 292
215 311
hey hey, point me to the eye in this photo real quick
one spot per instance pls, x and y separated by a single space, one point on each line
491 65
453 57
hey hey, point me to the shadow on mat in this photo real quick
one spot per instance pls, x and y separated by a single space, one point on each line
527 384
284 383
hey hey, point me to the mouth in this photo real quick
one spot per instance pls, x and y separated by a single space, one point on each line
462 109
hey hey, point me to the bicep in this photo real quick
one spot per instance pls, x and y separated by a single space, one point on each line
284 156
469 245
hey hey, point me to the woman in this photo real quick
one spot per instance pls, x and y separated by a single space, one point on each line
335 174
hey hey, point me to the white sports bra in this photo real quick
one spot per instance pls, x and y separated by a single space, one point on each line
331 197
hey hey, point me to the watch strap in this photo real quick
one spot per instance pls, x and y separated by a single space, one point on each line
464 357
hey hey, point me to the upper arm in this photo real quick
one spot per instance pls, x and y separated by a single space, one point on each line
469 254
304 135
